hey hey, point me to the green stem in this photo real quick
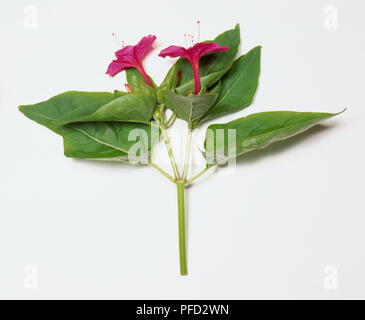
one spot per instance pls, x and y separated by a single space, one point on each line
171 120
162 172
187 154
162 113
199 174
182 242
170 152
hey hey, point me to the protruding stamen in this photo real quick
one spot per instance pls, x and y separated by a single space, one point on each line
120 43
190 40
186 41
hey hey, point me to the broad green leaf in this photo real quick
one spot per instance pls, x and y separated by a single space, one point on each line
212 66
168 84
238 86
132 140
256 131
190 108
93 139
85 108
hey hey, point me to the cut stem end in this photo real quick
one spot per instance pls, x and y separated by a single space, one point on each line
181 218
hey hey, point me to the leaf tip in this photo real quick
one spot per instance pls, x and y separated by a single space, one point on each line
258 48
337 113
342 111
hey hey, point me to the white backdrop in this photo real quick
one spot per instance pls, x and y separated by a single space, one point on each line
287 223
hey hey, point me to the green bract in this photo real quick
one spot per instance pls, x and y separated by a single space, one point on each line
190 108
127 125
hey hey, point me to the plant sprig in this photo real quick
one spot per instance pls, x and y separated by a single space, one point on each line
207 82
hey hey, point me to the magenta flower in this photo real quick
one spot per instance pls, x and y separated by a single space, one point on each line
193 54
131 57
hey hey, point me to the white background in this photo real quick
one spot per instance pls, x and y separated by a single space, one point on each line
282 225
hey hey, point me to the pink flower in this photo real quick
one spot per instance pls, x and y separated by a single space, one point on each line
131 57
193 54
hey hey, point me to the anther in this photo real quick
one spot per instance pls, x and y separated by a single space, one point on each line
120 43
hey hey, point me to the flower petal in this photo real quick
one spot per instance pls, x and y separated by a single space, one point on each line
174 52
202 48
143 47
126 51
193 54
115 67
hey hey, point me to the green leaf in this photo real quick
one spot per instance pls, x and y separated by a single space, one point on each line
256 131
238 86
93 139
168 84
190 108
212 66
86 106
134 141
216 88
118 93
136 81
